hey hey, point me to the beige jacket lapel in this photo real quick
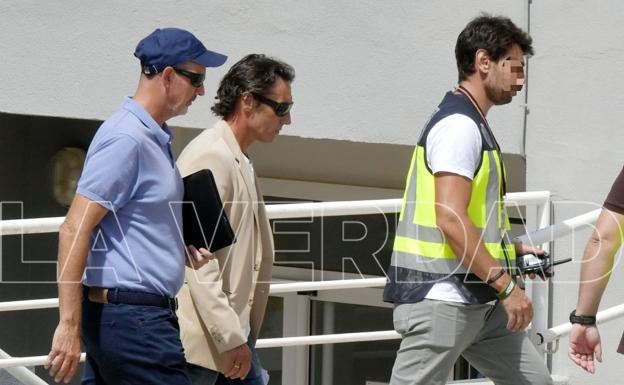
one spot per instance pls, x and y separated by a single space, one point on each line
243 167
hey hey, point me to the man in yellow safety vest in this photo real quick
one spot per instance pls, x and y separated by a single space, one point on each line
451 276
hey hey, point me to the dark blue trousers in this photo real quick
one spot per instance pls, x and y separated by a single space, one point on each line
131 344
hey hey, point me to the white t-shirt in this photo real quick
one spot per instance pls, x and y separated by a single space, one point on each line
453 145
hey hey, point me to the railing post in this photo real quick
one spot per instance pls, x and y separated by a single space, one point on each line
296 323
327 365
540 291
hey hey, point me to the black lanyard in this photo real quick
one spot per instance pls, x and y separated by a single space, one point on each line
467 94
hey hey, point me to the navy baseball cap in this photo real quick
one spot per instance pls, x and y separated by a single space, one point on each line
171 46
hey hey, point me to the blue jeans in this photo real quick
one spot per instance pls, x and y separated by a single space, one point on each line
131 344
204 376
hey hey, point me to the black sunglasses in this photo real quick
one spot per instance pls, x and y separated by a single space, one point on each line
197 80
281 109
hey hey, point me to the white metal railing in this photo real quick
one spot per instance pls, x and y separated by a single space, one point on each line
30 226
30 304
553 334
260 344
328 339
560 229
279 211
28 361
276 288
20 372
297 210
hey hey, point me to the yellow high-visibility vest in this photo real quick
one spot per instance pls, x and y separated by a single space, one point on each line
419 244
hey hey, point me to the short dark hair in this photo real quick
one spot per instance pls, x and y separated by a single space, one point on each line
254 73
495 34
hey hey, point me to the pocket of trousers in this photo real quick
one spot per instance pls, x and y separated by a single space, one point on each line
411 319
447 323
161 336
436 323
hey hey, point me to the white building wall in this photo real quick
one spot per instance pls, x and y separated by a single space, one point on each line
574 142
367 71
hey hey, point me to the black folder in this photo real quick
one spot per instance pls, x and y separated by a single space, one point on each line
205 223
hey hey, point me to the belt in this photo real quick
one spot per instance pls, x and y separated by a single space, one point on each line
117 296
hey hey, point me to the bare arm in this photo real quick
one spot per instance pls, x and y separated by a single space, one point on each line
585 344
598 260
74 235
453 194
452 198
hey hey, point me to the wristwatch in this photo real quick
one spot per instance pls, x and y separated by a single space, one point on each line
582 319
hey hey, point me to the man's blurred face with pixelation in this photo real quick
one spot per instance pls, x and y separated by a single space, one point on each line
506 76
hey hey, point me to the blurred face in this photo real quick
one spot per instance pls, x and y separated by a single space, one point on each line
506 76
264 123
182 92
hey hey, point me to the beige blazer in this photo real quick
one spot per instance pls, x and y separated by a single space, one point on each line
228 295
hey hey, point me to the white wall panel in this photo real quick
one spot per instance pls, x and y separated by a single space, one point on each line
574 142
367 70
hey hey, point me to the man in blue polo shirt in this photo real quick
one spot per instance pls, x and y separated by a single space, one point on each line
121 227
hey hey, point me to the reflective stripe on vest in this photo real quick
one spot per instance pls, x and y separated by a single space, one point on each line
420 245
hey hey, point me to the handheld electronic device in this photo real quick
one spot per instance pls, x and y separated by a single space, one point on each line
541 265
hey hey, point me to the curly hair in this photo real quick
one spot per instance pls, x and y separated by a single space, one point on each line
255 73
495 34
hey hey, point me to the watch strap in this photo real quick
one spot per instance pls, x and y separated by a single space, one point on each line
582 319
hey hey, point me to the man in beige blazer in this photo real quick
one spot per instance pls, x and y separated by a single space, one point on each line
221 306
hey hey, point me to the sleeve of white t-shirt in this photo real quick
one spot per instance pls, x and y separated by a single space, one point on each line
454 145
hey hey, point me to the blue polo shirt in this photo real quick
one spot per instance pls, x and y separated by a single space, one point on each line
130 171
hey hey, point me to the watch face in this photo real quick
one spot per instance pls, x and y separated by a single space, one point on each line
65 169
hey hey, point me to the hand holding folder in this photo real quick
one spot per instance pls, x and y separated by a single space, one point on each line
205 223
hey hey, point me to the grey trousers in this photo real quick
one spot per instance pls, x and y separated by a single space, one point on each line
436 333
